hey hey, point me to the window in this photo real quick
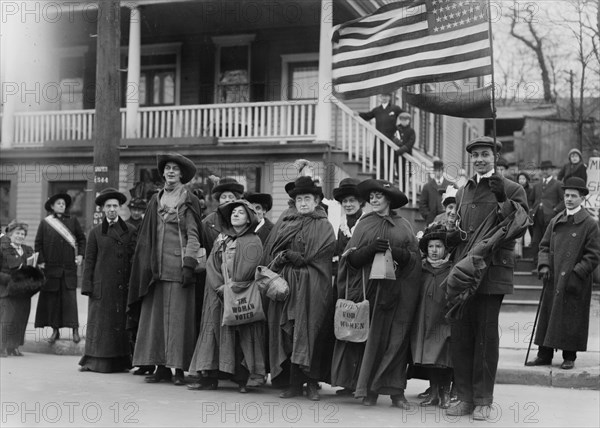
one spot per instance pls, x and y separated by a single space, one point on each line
159 75
76 190
7 208
303 81
249 175
300 76
71 82
232 68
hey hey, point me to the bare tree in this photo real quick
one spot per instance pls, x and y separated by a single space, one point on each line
533 39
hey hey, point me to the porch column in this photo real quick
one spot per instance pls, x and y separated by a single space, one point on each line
9 90
132 102
323 113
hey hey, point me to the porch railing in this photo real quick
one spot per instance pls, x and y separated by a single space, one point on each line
281 121
377 153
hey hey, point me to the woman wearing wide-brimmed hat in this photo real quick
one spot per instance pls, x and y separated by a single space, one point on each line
393 302
107 266
162 283
60 242
262 203
237 352
302 244
18 283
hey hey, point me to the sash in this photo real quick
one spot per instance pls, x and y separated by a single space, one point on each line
62 230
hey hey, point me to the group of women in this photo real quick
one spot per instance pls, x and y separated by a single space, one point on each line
294 342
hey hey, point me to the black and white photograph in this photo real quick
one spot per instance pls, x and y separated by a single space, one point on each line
300 213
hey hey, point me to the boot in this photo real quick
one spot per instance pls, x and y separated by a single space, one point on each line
453 395
161 373
312 391
143 370
398 400
204 384
425 394
292 391
15 352
55 335
444 397
76 338
178 379
433 398
370 399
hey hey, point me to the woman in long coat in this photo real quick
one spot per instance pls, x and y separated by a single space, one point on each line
302 242
570 251
60 242
161 287
15 304
236 351
392 302
262 203
106 272
430 338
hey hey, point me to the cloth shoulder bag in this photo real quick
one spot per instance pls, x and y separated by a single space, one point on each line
351 320
242 302
271 283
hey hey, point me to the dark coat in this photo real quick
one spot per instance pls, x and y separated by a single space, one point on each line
265 229
475 202
405 138
430 200
106 283
572 252
14 310
299 325
430 339
385 118
550 196
573 170
216 344
392 302
58 254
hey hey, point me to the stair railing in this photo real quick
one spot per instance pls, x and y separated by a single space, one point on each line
361 141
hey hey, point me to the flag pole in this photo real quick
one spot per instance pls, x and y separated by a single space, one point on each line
489 13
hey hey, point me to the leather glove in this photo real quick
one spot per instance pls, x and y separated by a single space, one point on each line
544 273
497 187
189 278
380 245
295 258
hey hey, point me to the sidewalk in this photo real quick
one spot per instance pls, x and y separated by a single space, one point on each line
515 331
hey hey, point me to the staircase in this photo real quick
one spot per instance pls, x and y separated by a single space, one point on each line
527 286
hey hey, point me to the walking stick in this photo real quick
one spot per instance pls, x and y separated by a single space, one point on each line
537 314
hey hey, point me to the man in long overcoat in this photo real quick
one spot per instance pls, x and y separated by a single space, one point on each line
430 200
547 202
110 247
475 341
569 253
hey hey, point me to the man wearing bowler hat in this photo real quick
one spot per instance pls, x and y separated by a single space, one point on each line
569 253
547 202
486 199
430 200
110 246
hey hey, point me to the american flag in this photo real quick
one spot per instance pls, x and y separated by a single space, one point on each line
411 42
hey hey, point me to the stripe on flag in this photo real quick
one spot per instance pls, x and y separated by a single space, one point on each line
411 42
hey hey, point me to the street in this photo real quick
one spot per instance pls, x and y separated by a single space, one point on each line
121 399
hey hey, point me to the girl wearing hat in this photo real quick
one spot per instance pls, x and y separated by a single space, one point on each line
430 338
301 246
236 351
15 301
574 167
60 242
393 302
108 254
162 282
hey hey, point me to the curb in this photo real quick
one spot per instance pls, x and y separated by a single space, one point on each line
509 372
